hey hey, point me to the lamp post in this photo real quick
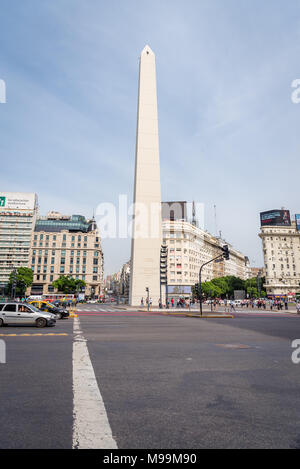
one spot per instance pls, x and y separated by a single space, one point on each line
225 255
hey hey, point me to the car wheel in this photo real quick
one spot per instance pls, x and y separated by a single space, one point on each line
1 323
41 322
58 315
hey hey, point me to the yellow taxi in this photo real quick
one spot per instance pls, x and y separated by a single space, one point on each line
47 307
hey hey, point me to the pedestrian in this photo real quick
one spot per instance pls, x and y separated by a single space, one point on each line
150 303
172 302
298 307
142 302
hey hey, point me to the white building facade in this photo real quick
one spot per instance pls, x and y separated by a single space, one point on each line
188 248
281 250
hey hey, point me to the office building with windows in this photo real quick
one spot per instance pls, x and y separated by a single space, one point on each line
280 235
18 212
66 245
190 246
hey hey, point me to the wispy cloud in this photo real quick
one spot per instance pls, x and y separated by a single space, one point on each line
228 129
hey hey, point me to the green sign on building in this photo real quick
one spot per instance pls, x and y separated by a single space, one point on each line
2 201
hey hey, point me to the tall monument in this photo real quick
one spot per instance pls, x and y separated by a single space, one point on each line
146 232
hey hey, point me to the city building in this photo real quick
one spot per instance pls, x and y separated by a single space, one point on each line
125 280
18 212
255 272
189 247
281 249
66 245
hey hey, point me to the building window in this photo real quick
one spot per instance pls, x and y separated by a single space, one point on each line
62 269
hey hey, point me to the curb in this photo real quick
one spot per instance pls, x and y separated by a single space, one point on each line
212 316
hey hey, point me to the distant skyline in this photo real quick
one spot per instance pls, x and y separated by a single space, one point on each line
228 128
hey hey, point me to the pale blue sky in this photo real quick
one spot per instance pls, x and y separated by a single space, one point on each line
229 132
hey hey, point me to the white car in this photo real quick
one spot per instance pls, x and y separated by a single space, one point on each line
12 313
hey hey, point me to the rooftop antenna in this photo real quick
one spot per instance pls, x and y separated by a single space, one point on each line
194 221
215 214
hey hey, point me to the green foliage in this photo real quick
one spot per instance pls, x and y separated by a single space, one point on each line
67 284
223 287
24 279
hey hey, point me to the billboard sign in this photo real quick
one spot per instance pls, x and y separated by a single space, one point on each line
179 289
297 218
275 218
17 201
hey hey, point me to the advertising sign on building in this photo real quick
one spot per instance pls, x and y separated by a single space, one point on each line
275 218
17 201
297 218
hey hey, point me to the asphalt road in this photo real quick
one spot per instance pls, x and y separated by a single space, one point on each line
166 381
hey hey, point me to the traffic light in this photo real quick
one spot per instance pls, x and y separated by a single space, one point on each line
163 264
225 252
197 290
14 283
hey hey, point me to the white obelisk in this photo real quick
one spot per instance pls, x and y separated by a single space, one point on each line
146 232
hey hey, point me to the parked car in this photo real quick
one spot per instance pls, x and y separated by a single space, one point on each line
13 313
44 306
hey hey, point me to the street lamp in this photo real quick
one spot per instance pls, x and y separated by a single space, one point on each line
225 255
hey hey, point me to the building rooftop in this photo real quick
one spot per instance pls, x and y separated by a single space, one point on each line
61 223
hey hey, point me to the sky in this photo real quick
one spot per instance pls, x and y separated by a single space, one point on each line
228 129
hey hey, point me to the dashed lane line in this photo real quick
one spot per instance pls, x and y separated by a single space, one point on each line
91 428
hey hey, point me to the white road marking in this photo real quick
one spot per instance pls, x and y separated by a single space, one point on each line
91 429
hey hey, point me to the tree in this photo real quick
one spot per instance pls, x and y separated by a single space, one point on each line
67 284
24 278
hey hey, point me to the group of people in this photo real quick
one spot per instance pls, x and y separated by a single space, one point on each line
180 303
269 304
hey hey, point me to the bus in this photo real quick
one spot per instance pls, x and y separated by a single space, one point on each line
51 297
